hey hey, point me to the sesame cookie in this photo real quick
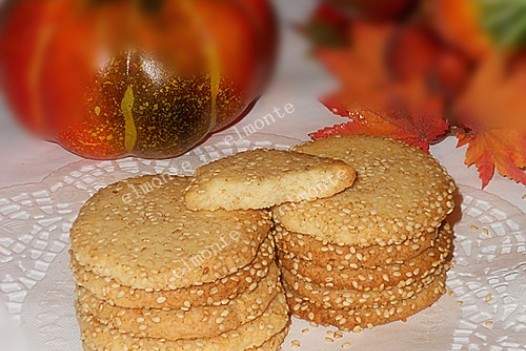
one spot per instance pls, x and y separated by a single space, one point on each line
274 343
307 247
400 193
346 298
357 319
139 233
367 279
214 293
263 178
187 323
100 337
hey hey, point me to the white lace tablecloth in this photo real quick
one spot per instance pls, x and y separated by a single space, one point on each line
42 186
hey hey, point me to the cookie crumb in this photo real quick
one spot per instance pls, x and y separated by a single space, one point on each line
346 345
296 344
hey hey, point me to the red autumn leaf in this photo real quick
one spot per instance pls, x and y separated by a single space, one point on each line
500 149
375 103
412 119
493 109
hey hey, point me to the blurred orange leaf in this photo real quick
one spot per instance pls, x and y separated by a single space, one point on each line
493 110
495 96
375 103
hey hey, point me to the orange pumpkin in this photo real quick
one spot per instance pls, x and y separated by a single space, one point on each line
150 78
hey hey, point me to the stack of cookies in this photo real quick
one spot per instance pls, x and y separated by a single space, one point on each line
188 263
376 252
153 275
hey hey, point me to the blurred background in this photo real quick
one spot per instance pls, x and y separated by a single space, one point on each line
111 78
34 158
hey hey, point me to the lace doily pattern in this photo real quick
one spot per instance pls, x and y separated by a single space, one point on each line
489 278
486 309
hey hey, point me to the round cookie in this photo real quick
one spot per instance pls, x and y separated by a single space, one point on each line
400 193
100 337
308 248
356 319
196 322
379 278
139 233
262 178
274 343
346 298
214 293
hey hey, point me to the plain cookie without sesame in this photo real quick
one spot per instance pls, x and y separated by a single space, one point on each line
400 193
264 178
140 233
213 293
